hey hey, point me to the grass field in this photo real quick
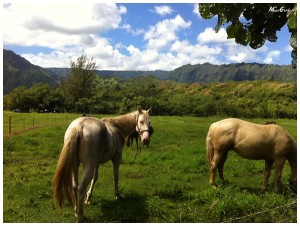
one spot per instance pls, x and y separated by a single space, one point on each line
167 183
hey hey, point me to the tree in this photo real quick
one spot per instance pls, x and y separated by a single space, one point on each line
39 98
17 99
80 81
263 20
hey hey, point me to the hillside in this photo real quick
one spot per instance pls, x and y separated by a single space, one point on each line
263 99
17 71
266 99
206 73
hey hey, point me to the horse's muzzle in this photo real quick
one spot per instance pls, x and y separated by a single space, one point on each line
145 137
146 141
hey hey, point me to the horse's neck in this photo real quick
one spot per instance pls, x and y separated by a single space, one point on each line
125 123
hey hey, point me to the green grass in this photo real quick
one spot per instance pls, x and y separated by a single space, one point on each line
25 121
167 183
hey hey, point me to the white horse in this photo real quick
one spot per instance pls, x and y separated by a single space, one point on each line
252 141
91 142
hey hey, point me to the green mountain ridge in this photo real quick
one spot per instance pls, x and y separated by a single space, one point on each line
17 71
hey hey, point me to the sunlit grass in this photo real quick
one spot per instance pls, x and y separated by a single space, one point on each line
168 181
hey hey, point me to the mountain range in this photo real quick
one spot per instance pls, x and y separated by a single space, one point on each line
17 71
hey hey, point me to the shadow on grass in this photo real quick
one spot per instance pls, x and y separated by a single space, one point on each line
129 209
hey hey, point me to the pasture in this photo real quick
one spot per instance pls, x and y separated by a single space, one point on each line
168 181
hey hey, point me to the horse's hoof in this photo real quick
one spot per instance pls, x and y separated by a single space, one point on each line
88 202
82 220
118 197
215 186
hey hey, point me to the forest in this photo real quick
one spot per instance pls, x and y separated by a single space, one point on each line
111 95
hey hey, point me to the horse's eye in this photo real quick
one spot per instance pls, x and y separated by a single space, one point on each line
142 122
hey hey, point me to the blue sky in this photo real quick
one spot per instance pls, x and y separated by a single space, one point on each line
126 36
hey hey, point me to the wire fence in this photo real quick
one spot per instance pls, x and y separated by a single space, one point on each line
280 210
16 123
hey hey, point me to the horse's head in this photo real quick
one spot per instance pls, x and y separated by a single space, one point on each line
143 125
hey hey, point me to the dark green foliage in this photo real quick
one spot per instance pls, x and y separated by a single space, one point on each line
266 99
262 22
78 87
38 98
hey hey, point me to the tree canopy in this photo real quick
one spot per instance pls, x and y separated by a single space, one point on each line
265 99
254 23
79 83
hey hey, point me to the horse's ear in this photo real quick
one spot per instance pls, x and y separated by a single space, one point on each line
149 110
140 110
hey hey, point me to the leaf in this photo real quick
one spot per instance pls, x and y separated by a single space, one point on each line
257 40
205 11
237 31
230 31
221 20
292 18
292 21
293 40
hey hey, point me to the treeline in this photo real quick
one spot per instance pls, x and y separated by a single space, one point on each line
111 95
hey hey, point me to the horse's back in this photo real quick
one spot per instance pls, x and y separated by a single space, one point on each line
251 140
87 126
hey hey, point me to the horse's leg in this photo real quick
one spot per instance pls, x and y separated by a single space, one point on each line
214 165
87 176
116 165
221 166
75 188
267 173
131 141
90 191
279 163
293 177
137 141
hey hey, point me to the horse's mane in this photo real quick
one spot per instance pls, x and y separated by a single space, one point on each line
125 123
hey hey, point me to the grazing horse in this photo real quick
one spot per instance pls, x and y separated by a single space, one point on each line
135 135
91 142
252 141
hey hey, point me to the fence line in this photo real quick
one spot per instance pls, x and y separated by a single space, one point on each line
18 123
260 212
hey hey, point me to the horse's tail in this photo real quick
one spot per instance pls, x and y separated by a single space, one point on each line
209 147
68 160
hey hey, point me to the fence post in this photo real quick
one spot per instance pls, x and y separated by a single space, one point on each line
9 125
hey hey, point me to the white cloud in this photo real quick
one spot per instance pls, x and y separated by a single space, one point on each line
210 36
55 25
271 56
164 32
70 30
239 54
162 10
53 59
288 48
131 30
196 10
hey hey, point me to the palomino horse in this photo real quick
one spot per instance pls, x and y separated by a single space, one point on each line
92 142
252 141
